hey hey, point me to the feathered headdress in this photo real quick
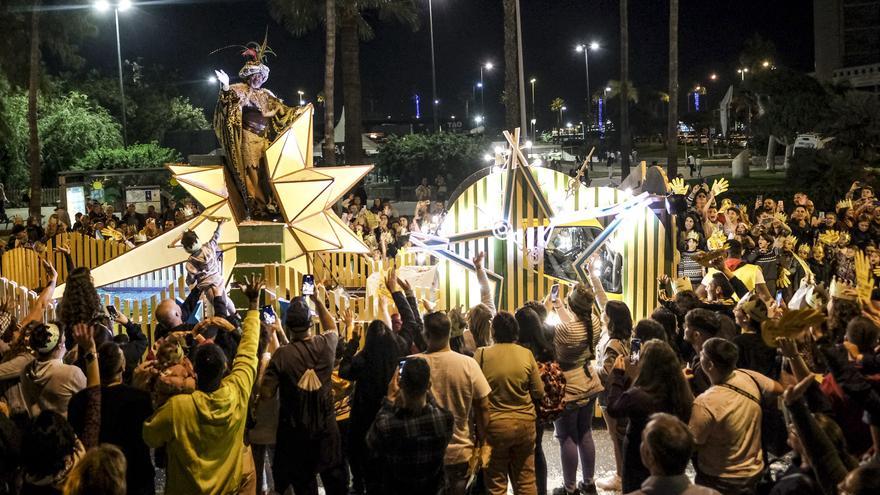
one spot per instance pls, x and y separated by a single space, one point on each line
255 55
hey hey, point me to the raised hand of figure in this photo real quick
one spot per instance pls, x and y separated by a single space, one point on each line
64 248
787 346
251 287
478 260
223 78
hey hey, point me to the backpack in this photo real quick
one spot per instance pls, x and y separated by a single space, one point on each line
552 404
313 404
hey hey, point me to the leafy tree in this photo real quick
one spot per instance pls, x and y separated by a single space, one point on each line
153 106
787 103
38 25
70 125
149 155
413 156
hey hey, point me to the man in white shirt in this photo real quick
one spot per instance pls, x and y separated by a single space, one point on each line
726 421
458 385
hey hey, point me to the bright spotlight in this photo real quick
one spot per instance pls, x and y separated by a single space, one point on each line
594 46
478 119
579 48
479 85
487 157
102 5
713 77
212 79
124 5
568 124
489 66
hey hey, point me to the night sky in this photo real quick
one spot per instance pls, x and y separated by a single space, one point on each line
396 64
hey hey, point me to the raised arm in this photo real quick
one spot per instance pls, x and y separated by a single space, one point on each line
85 340
244 367
45 298
485 291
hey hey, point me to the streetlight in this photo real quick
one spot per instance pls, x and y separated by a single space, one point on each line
301 100
742 73
487 66
765 64
561 113
121 5
586 49
433 66
532 81
713 76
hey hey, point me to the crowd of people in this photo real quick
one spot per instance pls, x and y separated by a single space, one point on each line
384 229
101 221
755 374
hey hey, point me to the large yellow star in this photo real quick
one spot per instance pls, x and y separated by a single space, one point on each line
307 194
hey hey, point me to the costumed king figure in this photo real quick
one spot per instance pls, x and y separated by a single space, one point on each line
247 119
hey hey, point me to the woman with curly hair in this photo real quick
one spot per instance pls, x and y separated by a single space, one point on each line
80 303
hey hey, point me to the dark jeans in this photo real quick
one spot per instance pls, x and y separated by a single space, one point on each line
540 460
456 478
300 456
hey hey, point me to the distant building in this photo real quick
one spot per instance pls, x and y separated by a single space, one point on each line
847 42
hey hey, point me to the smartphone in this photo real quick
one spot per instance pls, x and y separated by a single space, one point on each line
760 198
400 367
554 292
822 215
267 314
308 287
635 350
778 298
111 310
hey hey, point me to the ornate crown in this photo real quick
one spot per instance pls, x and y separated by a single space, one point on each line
829 237
717 240
846 203
841 289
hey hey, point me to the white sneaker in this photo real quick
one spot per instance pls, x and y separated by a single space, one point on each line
610 483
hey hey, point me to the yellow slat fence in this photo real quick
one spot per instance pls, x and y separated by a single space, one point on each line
24 267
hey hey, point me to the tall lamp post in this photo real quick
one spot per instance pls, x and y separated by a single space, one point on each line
532 81
586 50
301 100
121 5
433 66
482 86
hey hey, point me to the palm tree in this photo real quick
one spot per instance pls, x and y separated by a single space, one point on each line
617 89
672 121
329 147
625 138
556 106
301 16
33 132
511 67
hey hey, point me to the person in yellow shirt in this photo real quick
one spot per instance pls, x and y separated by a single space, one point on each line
204 432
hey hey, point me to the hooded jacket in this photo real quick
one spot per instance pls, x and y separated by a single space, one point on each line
49 385
204 432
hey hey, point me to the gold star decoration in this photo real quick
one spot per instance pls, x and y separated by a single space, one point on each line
306 195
